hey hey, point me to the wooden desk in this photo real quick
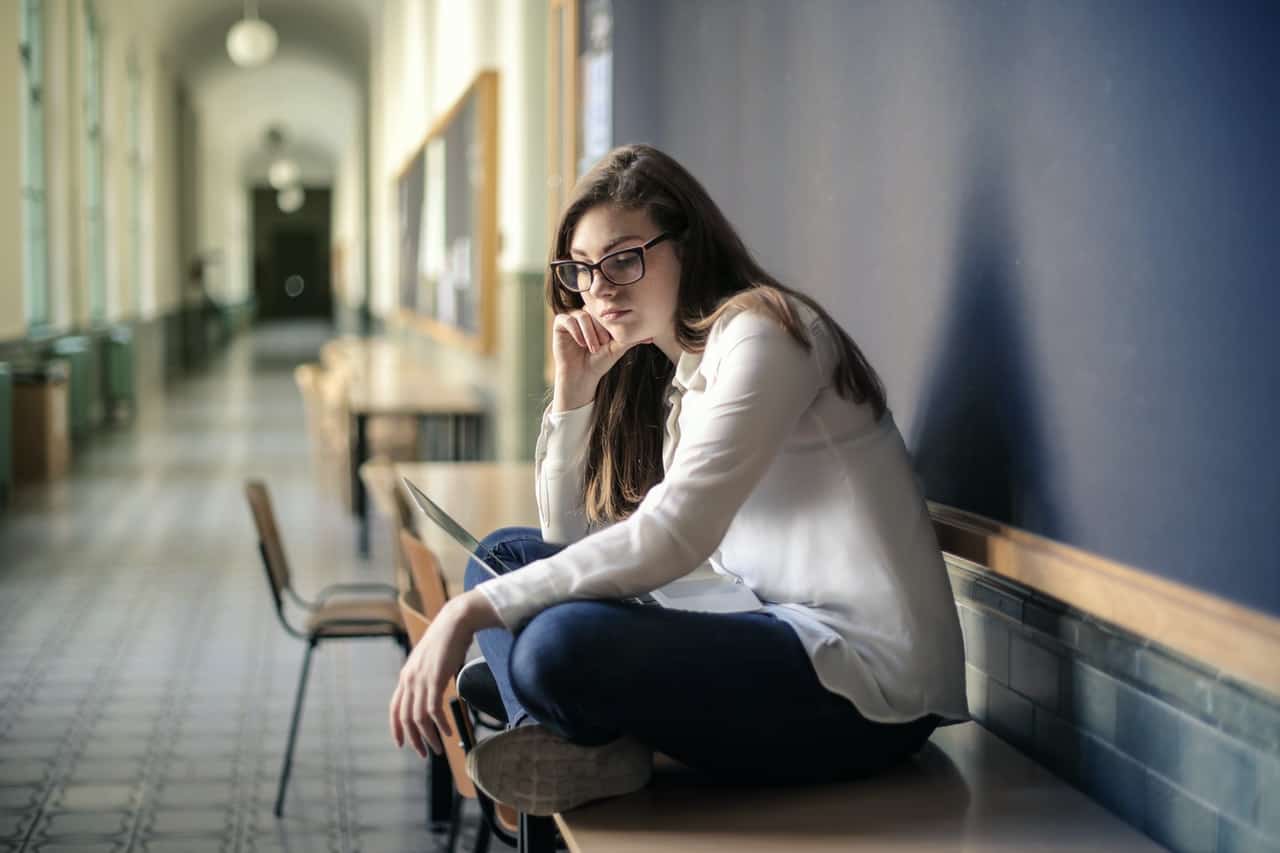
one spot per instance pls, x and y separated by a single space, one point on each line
350 351
481 496
414 393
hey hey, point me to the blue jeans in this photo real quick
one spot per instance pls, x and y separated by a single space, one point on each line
731 694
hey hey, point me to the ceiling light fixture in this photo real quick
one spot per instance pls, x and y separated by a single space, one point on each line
290 200
251 41
282 174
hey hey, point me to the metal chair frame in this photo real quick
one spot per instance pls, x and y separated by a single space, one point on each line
280 585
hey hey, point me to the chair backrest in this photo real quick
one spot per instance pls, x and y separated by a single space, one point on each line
305 376
269 542
428 577
404 524
331 388
416 622
338 351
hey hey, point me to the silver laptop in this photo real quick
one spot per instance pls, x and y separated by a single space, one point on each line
488 560
702 591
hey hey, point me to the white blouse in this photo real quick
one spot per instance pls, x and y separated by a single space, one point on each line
776 480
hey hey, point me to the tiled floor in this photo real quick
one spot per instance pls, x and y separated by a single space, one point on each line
145 686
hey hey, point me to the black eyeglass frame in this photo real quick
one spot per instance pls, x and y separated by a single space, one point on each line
599 265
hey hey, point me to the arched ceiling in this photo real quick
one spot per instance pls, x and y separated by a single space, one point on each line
315 106
314 88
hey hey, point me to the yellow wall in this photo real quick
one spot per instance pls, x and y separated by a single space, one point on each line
12 307
425 55
349 224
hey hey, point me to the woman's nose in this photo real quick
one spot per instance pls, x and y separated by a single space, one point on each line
600 284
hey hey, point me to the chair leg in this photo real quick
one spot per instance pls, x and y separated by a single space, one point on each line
441 794
537 834
293 728
455 823
482 838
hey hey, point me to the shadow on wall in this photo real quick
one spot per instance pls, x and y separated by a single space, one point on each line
978 441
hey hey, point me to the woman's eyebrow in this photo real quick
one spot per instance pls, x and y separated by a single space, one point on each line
608 246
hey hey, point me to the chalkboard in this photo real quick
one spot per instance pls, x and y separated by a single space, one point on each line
447 217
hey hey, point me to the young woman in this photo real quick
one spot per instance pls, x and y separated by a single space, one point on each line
701 412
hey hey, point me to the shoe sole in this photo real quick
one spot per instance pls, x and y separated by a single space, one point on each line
539 773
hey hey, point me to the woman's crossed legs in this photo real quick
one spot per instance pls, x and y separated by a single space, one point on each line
731 694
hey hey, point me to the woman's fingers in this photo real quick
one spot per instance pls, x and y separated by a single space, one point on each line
397 733
588 326
575 332
432 731
410 720
435 706
570 327
425 721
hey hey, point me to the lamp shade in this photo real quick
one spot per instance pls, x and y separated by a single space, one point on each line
251 42
282 174
290 200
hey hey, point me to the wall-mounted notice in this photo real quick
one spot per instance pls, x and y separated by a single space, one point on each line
448 222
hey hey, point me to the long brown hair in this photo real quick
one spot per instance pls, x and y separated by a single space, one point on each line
624 452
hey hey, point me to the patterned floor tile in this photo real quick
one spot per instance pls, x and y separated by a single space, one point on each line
24 772
184 822
78 847
17 797
96 824
101 771
14 824
95 797
184 845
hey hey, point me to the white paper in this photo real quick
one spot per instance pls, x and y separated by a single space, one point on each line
703 594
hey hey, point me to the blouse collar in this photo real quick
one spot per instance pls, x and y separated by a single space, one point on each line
686 368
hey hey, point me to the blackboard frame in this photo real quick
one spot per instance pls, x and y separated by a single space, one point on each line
417 297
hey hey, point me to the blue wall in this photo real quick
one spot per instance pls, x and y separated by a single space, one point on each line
1052 225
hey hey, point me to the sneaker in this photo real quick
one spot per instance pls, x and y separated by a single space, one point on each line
540 773
478 687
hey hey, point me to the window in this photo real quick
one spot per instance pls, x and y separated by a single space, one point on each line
132 297
35 268
95 224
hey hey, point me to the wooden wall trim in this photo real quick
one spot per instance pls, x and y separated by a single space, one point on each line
1243 643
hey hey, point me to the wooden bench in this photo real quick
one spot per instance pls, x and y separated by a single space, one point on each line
966 790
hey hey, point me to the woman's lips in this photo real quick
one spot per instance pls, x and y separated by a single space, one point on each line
615 313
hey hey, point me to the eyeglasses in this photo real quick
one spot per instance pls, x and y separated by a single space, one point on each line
623 267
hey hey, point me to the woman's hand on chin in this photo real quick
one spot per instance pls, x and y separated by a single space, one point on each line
583 351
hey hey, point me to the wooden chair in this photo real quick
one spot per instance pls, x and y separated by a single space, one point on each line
326 455
340 612
429 593
379 478
404 515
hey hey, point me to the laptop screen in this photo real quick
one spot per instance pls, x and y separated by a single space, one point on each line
485 557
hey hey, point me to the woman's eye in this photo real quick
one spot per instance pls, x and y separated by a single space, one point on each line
622 262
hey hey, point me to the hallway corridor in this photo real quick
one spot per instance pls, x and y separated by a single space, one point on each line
145 685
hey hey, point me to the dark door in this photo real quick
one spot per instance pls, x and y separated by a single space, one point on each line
291 275
295 281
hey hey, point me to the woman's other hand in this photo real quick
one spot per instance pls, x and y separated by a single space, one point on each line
584 351
417 708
